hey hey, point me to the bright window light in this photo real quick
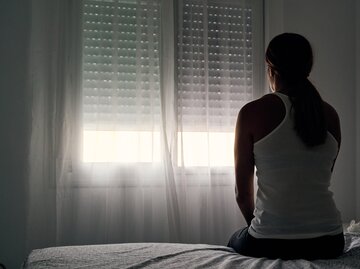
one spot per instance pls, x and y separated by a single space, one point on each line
194 148
205 149
121 147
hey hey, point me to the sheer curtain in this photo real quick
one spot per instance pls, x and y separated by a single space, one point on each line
134 105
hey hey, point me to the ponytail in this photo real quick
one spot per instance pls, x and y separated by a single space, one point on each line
290 57
309 118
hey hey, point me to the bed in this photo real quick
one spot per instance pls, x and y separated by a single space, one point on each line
167 255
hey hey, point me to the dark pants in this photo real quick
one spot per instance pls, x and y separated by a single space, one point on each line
324 247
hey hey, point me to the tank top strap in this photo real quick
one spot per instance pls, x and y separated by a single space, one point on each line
286 101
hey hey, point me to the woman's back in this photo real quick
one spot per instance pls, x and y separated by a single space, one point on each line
266 113
293 200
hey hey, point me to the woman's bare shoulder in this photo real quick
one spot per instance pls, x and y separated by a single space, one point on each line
330 110
262 115
333 121
261 104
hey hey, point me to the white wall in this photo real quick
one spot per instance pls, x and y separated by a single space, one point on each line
330 27
358 110
14 130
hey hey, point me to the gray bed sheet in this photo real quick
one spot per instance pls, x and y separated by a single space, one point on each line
167 255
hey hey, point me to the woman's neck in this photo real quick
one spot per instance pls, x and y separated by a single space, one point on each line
283 91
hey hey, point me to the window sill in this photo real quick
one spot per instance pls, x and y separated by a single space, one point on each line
103 175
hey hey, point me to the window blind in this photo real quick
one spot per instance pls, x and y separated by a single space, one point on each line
216 74
215 63
121 85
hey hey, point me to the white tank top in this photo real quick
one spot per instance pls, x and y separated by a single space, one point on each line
293 200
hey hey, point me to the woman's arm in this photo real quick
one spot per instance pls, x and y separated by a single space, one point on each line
333 124
244 164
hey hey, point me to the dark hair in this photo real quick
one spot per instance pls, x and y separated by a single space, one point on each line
290 57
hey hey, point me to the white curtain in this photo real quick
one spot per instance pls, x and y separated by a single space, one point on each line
133 115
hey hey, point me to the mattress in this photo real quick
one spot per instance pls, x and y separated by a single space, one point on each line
168 255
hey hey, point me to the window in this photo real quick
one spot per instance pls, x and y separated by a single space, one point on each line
121 88
215 77
217 68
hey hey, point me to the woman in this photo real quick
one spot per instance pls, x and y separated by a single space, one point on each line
292 137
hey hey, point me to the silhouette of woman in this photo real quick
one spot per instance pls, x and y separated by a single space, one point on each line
292 137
